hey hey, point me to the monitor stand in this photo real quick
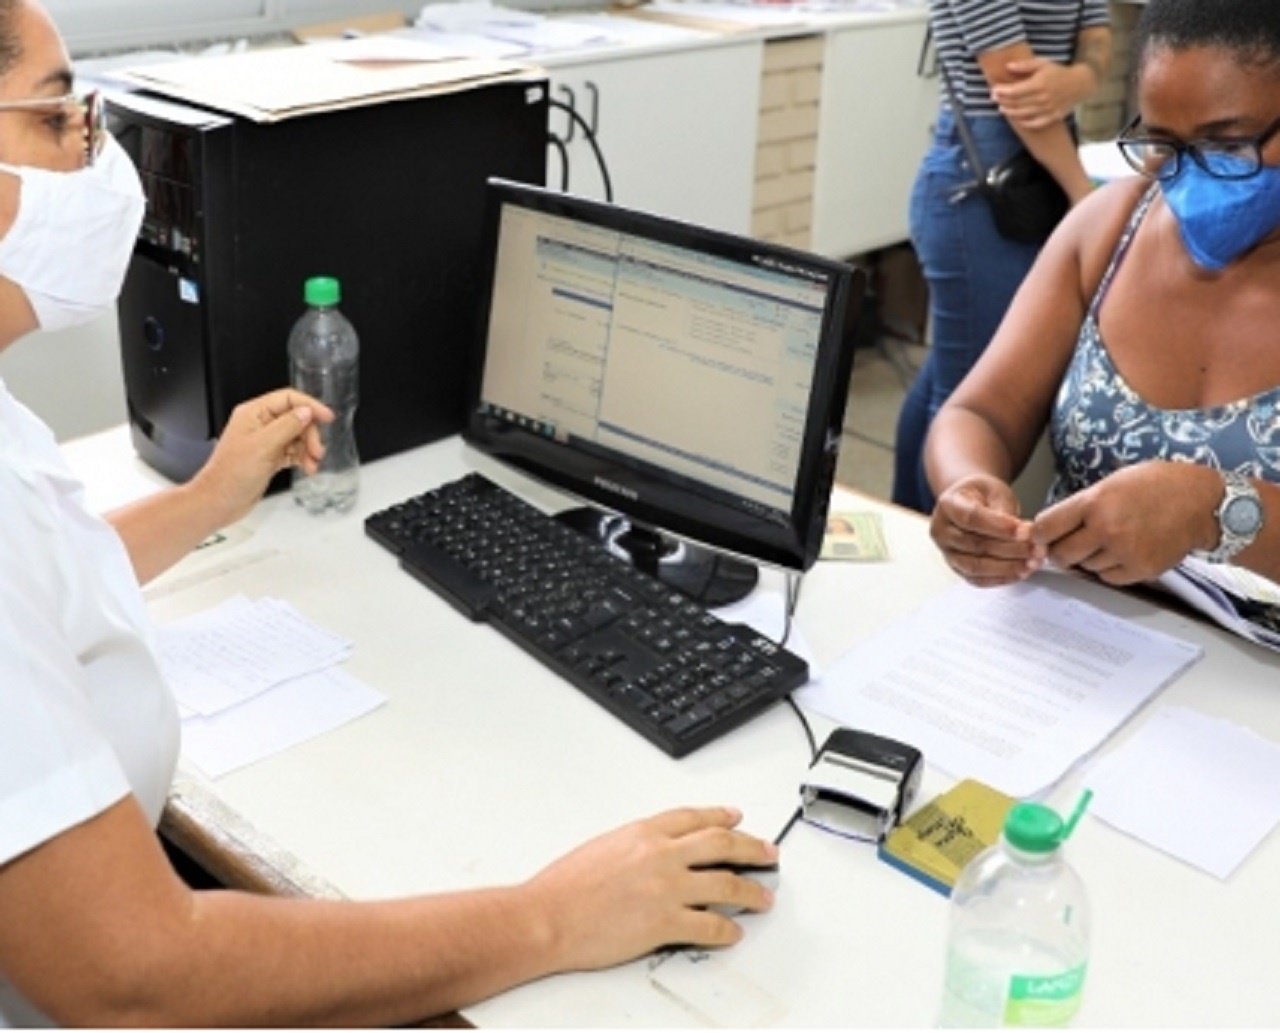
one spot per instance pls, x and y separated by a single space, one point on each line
704 575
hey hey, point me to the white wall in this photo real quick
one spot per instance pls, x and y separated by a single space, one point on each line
92 26
72 379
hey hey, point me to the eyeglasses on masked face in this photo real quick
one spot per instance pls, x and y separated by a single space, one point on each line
1159 158
75 110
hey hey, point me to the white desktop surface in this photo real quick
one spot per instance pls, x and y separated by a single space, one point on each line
484 765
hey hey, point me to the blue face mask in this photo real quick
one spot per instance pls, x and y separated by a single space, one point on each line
1221 219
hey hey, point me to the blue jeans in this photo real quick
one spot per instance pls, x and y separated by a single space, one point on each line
972 274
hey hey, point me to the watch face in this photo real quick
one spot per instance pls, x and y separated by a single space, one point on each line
1242 516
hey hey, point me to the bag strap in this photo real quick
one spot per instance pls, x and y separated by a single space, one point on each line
957 107
962 123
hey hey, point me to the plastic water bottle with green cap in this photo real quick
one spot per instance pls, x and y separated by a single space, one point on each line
1018 938
324 354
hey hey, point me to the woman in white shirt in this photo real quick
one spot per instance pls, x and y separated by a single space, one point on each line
95 927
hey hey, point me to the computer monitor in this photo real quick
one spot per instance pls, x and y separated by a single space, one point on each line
689 381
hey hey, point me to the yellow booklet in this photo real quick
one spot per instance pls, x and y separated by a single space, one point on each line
940 838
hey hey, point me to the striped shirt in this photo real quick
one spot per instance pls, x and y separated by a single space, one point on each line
965 28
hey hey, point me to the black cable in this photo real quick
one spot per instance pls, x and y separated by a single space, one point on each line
791 823
804 723
591 139
792 600
563 151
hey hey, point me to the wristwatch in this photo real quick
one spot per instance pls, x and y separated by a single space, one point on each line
1239 517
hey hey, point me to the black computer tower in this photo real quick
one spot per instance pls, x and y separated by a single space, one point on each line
388 197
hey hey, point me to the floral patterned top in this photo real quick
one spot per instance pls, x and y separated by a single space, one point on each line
1100 424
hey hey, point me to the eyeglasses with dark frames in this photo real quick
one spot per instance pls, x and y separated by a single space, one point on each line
1158 158
85 109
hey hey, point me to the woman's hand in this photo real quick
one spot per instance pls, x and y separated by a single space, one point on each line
1135 524
976 525
263 436
1043 93
647 885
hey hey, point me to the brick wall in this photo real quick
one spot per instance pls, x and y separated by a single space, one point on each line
790 92
1106 111
787 144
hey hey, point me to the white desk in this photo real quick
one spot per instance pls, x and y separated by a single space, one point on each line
484 765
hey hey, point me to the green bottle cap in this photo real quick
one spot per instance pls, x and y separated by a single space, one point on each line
1033 827
1037 829
322 291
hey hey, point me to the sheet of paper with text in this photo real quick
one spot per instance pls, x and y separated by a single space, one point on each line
1011 686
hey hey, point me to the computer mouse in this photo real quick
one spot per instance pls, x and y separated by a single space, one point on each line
766 875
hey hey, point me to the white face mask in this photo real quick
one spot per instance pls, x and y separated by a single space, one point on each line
70 244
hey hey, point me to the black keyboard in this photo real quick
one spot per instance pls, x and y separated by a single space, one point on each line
672 671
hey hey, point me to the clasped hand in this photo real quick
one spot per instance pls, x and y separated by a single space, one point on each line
1131 526
1043 94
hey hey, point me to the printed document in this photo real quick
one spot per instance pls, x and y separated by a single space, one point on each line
1010 686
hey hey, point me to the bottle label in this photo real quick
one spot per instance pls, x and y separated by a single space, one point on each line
1044 1000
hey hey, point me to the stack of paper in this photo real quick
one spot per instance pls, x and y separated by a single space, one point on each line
531 33
721 17
287 82
253 678
1237 598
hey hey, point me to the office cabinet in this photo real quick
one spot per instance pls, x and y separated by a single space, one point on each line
677 130
873 129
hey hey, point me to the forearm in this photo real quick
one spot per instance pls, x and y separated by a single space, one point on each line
96 929
263 436
962 443
1093 57
339 963
160 530
1055 149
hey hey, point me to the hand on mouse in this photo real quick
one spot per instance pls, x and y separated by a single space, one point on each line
648 884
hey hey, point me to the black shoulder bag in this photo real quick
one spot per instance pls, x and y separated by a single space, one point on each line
1026 201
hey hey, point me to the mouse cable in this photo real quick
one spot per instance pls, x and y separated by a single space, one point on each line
790 824
591 139
794 579
793 582
804 723
558 144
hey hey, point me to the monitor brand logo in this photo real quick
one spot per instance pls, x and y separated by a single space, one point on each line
783 266
617 489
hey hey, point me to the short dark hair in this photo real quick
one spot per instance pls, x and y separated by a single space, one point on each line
1248 28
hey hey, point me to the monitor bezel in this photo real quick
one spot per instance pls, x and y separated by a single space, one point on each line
649 495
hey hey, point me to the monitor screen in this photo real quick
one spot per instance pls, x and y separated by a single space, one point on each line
689 380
